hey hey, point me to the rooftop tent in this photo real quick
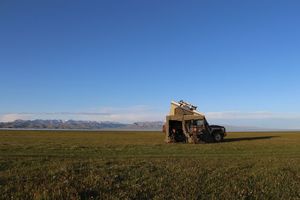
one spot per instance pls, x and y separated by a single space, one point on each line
180 113
183 108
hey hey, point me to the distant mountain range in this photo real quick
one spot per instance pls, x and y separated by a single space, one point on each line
73 124
93 125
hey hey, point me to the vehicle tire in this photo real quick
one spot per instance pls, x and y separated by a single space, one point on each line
218 137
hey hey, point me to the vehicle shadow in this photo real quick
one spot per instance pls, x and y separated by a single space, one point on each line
248 138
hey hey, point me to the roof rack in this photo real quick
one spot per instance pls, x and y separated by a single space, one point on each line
187 104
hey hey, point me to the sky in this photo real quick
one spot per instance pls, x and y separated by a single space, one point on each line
116 60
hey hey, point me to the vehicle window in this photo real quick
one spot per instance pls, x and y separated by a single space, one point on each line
198 122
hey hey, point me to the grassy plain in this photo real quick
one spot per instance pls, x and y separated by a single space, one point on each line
138 165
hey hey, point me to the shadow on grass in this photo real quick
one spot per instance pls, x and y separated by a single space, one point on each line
249 138
89 194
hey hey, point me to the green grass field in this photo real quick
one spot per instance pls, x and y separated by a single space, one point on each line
139 165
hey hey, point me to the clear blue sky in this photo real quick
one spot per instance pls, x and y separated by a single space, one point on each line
97 56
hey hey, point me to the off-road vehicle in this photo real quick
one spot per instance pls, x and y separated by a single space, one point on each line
185 124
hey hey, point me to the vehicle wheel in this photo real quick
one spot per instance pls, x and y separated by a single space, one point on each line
218 137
